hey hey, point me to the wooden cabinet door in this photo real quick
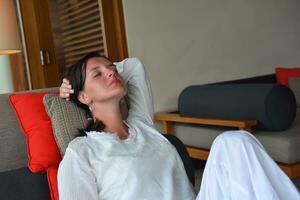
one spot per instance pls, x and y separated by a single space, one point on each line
39 43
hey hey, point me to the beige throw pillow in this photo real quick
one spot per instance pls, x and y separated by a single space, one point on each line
66 119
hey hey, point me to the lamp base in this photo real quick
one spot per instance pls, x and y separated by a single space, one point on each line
6 83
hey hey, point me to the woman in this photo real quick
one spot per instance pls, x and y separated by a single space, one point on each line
118 159
130 160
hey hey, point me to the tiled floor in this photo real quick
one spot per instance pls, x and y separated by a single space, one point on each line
199 172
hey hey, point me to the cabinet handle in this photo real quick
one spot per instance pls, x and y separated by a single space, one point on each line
45 57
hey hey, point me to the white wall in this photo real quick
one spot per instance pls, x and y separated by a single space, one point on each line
6 84
202 41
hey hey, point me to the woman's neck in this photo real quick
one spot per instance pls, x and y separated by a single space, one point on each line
111 116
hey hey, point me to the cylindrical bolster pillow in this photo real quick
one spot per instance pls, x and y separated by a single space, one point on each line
274 106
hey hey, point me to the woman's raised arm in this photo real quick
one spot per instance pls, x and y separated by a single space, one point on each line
139 89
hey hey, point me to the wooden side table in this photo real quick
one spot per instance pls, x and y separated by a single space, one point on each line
168 120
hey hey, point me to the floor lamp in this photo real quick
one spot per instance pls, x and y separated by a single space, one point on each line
9 42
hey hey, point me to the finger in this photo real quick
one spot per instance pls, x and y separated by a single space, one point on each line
66 81
63 90
66 91
65 85
64 95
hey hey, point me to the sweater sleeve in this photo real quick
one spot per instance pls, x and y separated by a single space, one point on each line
139 89
75 179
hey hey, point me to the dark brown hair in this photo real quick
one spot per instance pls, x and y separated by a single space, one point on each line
76 74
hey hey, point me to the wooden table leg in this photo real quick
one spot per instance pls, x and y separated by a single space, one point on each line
168 127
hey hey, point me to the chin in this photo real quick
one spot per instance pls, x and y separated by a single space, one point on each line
120 93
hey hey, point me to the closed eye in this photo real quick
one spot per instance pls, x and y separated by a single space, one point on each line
96 74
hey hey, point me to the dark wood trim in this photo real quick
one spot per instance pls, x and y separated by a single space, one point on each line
32 47
120 29
50 70
112 18
18 70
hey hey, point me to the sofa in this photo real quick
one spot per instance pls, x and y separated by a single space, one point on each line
18 182
282 146
18 158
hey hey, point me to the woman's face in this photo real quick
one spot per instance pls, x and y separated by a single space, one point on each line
103 83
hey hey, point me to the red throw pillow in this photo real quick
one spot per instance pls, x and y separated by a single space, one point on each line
42 149
283 74
52 182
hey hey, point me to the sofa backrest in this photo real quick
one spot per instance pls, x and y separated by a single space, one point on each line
270 78
13 153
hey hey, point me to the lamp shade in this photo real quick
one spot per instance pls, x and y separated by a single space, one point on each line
9 35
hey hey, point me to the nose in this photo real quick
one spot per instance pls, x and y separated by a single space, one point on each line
110 72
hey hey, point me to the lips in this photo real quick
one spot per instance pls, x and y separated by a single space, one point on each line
114 81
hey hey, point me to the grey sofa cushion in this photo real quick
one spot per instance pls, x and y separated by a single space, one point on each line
12 142
22 184
294 84
281 146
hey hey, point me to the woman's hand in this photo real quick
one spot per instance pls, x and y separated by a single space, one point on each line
65 89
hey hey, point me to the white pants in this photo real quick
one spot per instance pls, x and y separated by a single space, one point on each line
239 168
